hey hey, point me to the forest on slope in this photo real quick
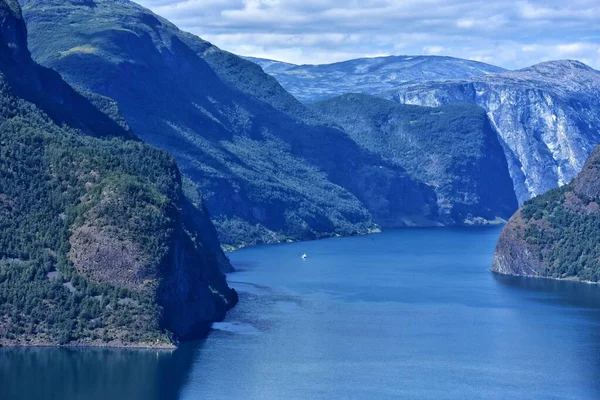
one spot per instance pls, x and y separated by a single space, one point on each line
557 234
98 243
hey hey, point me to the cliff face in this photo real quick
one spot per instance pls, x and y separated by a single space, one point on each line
13 34
453 149
546 115
99 245
514 255
556 234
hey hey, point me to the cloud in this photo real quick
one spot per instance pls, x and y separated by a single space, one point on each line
465 23
433 50
512 34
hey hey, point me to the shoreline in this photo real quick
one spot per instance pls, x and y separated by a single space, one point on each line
172 347
232 249
569 279
490 224
121 346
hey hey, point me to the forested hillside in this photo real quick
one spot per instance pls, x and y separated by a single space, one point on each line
98 244
454 149
557 234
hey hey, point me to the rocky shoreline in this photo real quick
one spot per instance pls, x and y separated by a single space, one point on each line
119 345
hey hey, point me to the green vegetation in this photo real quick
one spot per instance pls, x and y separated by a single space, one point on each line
50 178
98 244
268 168
54 181
564 227
453 149
557 234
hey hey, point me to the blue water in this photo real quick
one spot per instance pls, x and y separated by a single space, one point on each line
407 314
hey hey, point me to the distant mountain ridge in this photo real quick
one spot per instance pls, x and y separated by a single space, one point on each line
310 83
546 115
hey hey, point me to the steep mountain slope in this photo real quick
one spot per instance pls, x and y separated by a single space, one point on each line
266 167
310 83
98 244
548 117
556 234
454 149
249 78
48 91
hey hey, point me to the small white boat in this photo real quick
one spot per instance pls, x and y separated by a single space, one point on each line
304 256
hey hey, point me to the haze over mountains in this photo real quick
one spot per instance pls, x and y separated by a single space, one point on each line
546 120
427 141
105 242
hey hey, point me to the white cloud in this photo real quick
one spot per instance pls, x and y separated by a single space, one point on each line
571 48
502 32
465 23
433 50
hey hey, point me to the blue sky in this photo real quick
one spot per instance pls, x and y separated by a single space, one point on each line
511 34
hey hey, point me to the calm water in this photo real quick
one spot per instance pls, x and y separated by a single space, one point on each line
409 314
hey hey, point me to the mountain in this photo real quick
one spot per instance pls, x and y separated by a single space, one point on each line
271 66
98 243
556 235
47 90
268 167
547 117
310 83
453 149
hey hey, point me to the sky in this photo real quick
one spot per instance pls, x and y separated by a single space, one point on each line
507 33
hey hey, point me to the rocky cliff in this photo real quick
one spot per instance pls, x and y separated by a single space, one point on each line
99 245
547 117
556 235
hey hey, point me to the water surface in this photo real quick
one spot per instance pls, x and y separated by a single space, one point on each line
409 314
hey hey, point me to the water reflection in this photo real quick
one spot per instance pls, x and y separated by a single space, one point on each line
558 292
95 374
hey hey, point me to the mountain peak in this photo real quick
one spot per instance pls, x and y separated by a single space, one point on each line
554 67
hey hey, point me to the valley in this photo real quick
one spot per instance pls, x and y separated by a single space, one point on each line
150 181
